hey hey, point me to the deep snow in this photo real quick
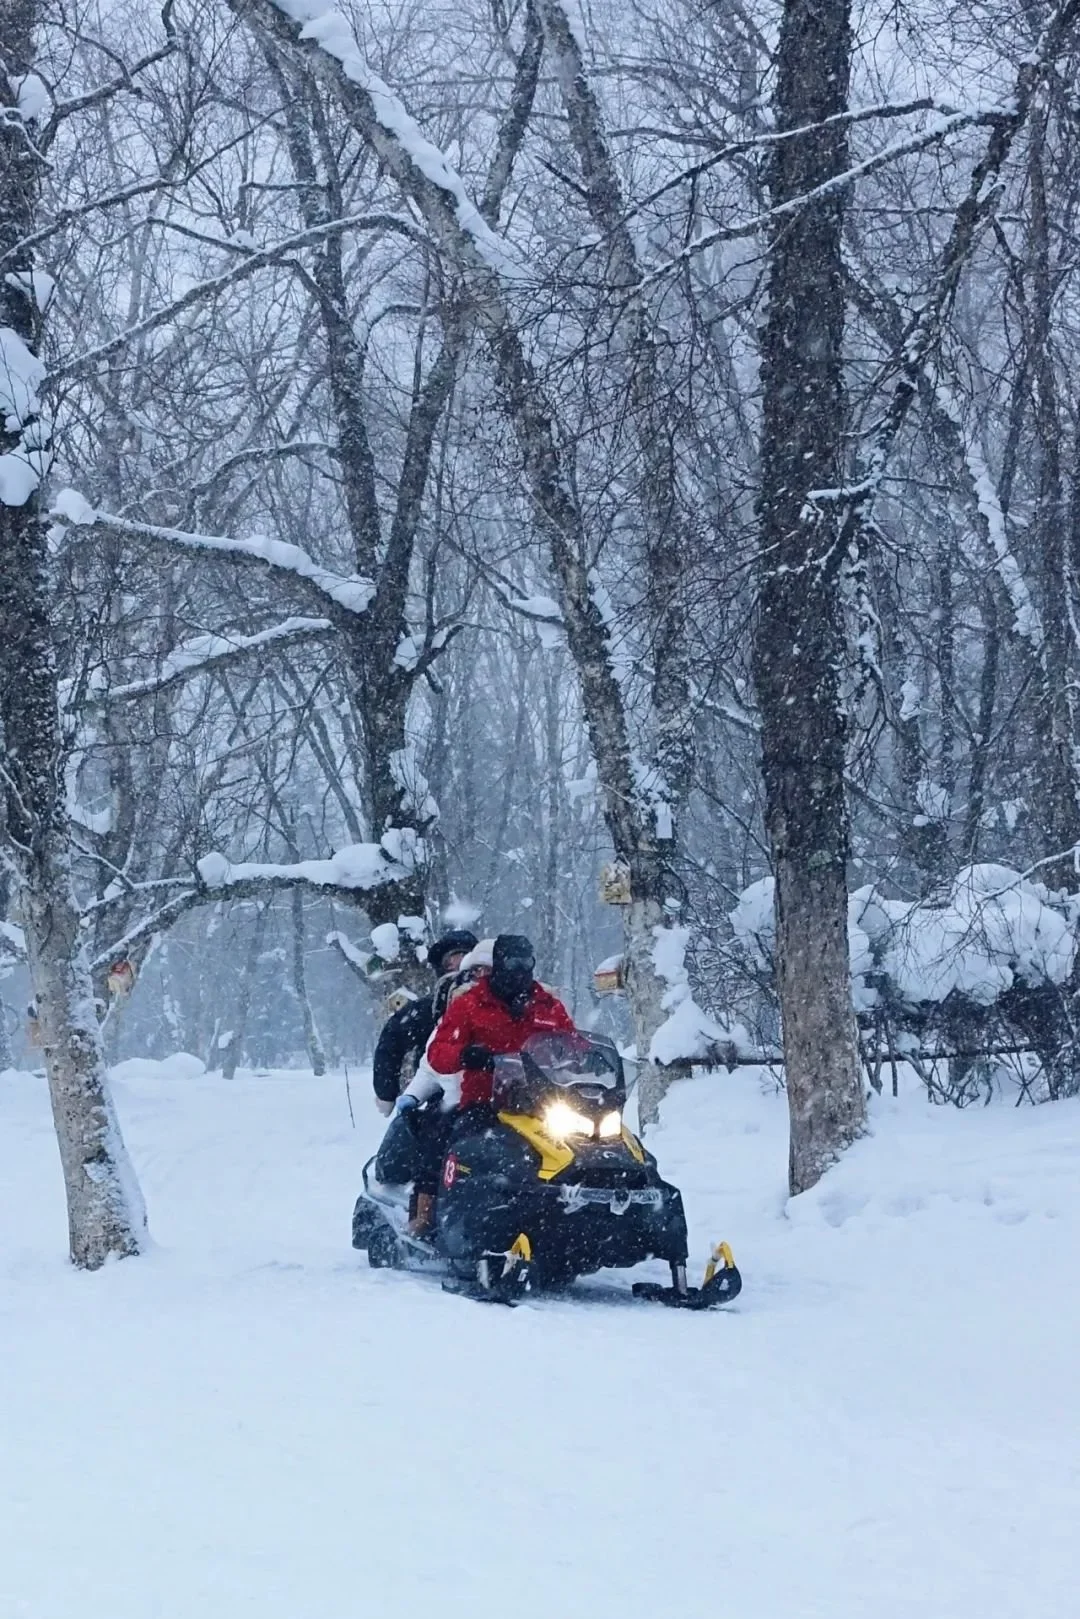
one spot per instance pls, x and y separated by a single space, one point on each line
249 1422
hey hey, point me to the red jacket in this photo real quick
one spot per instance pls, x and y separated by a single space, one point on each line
478 1017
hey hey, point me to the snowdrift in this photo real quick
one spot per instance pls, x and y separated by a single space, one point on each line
250 1424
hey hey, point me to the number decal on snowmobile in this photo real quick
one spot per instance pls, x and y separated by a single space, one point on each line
449 1174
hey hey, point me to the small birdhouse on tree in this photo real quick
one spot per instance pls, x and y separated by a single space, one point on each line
615 883
120 980
397 999
610 977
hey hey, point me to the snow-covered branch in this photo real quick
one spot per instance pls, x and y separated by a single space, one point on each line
345 593
103 203
980 199
668 539
993 929
260 456
356 869
356 960
159 921
325 41
540 610
774 137
688 1034
1026 617
207 654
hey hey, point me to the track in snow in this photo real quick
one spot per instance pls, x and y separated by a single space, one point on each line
250 1422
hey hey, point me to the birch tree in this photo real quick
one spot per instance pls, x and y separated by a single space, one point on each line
668 765
105 1214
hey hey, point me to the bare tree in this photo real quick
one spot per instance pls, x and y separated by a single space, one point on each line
669 548
636 809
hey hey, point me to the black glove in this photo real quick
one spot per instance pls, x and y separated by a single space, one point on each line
477 1056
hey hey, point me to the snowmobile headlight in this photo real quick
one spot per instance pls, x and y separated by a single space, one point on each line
611 1125
561 1120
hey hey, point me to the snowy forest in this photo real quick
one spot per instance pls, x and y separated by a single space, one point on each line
539 809
607 471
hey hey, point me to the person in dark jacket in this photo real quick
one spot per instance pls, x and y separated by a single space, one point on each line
404 1035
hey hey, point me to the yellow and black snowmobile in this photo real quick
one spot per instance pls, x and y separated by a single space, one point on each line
547 1186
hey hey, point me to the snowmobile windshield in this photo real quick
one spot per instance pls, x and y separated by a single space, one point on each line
587 1064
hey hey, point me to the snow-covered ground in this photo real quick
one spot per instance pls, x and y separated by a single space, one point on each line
249 1422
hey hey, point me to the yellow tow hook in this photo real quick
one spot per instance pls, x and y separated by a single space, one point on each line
721 1251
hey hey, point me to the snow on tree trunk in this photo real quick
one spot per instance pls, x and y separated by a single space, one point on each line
645 991
799 641
5 1037
105 1213
106 1218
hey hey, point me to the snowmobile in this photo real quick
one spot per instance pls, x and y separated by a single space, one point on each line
550 1186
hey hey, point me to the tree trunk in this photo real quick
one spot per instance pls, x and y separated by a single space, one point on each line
550 843
106 1218
980 753
380 689
644 993
312 1039
799 641
1056 786
105 1214
6 1053
668 547
939 808
231 1059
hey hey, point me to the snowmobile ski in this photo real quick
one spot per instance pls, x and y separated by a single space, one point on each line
720 1284
497 1278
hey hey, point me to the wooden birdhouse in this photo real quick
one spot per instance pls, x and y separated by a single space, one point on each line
609 978
615 883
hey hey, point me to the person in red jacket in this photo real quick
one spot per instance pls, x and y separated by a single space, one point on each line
494 1018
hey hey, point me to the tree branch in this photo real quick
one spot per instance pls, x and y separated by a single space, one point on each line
256 259
336 594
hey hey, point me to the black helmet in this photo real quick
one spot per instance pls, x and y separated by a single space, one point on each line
458 942
513 960
513 952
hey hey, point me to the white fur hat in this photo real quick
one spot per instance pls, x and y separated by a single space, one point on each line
479 955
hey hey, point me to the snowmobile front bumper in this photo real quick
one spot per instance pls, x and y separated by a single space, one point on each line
574 1229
